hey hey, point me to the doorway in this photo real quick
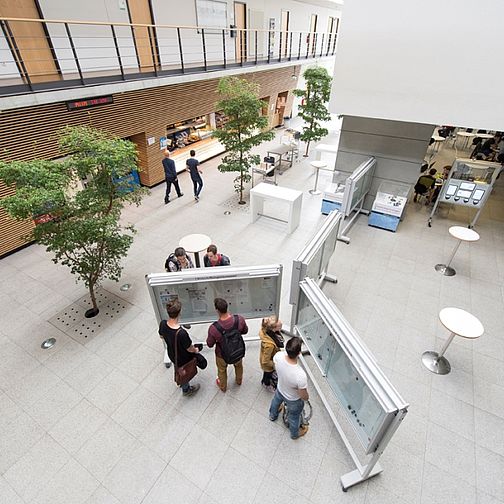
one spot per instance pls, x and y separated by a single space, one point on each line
332 30
312 38
284 36
240 18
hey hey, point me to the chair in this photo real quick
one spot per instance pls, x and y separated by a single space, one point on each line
423 187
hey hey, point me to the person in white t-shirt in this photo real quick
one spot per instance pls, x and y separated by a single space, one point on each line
291 389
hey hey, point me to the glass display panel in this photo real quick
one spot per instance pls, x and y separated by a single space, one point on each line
464 194
328 249
478 194
360 405
452 189
313 269
467 186
473 171
315 334
251 297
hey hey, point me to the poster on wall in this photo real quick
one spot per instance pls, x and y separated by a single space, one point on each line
272 24
211 14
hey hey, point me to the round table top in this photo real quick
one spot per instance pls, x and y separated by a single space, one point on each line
195 242
318 164
484 135
461 323
464 234
465 134
438 138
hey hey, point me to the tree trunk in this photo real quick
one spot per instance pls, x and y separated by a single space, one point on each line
241 202
92 312
307 148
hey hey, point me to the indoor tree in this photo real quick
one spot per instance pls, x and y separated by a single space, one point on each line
243 130
78 225
313 109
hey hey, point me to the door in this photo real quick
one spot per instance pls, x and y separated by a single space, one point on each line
332 30
284 36
240 17
145 37
312 44
32 41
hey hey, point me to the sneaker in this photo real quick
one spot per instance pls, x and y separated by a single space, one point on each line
196 198
303 429
166 202
238 382
192 390
180 195
167 365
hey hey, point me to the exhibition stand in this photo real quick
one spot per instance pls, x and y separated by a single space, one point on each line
389 205
469 184
347 194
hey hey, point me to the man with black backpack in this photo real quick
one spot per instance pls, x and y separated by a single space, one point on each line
227 336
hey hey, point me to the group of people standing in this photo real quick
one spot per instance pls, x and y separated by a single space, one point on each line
282 373
171 176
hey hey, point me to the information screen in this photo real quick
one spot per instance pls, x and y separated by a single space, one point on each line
464 194
478 194
467 186
452 189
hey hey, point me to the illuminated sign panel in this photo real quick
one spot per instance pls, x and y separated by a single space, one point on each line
89 102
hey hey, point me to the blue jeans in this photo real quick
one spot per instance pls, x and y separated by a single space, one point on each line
294 409
198 184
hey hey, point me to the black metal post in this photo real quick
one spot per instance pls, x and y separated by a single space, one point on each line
328 43
14 48
334 43
269 45
280 48
322 45
255 45
74 54
290 46
204 47
117 51
242 44
308 39
180 50
224 46
154 65
299 47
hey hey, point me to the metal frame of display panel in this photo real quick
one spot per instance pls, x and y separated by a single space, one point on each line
366 170
457 183
315 249
354 362
235 283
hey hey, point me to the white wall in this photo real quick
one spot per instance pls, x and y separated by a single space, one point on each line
428 61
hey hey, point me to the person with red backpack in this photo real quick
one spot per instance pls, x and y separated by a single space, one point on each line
227 336
212 258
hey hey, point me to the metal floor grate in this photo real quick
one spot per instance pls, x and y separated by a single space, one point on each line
72 321
232 203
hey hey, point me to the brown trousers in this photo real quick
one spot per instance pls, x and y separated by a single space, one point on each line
222 372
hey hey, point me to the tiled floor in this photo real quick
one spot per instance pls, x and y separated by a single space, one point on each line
103 423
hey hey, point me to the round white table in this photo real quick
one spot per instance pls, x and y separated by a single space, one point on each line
318 165
465 135
486 136
438 140
459 323
461 234
195 243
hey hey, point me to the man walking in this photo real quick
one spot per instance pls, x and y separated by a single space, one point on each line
192 167
171 332
170 176
291 389
227 336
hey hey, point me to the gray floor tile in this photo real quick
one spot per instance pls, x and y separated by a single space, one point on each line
138 411
242 486
199 456
489 471
489 397
457 384
103 450
134 475
412 434
7 494
440 485
274 491
77 426
102 496
88 374
139 364
489 431
173 486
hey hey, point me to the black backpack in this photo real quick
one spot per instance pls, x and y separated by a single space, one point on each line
232 345
171 259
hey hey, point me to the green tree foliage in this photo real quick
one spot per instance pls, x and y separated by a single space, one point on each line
244 129
80 227
314 110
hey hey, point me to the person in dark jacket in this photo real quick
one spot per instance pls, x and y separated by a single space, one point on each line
212 258
170 176
192 166
170 330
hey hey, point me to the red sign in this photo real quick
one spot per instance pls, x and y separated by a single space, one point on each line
89 102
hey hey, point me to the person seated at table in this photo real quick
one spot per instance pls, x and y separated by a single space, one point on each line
212 258
488 149
425 183
177 261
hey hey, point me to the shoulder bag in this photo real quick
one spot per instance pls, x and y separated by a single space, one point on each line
183 374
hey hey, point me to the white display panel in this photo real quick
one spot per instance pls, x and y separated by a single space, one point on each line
253 292
365 395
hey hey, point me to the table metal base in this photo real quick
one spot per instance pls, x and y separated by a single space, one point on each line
445 270
436 364
315 192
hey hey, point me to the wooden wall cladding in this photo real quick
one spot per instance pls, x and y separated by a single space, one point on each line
31 132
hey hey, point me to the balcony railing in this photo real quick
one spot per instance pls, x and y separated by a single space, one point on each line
41 55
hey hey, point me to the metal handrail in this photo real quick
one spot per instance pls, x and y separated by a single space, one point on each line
131 51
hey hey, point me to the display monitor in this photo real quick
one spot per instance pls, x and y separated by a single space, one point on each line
467 186
478 194
452 189
464 194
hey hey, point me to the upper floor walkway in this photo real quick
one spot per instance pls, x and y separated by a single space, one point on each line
46 55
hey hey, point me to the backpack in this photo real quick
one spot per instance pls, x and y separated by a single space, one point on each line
171 259
232 345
